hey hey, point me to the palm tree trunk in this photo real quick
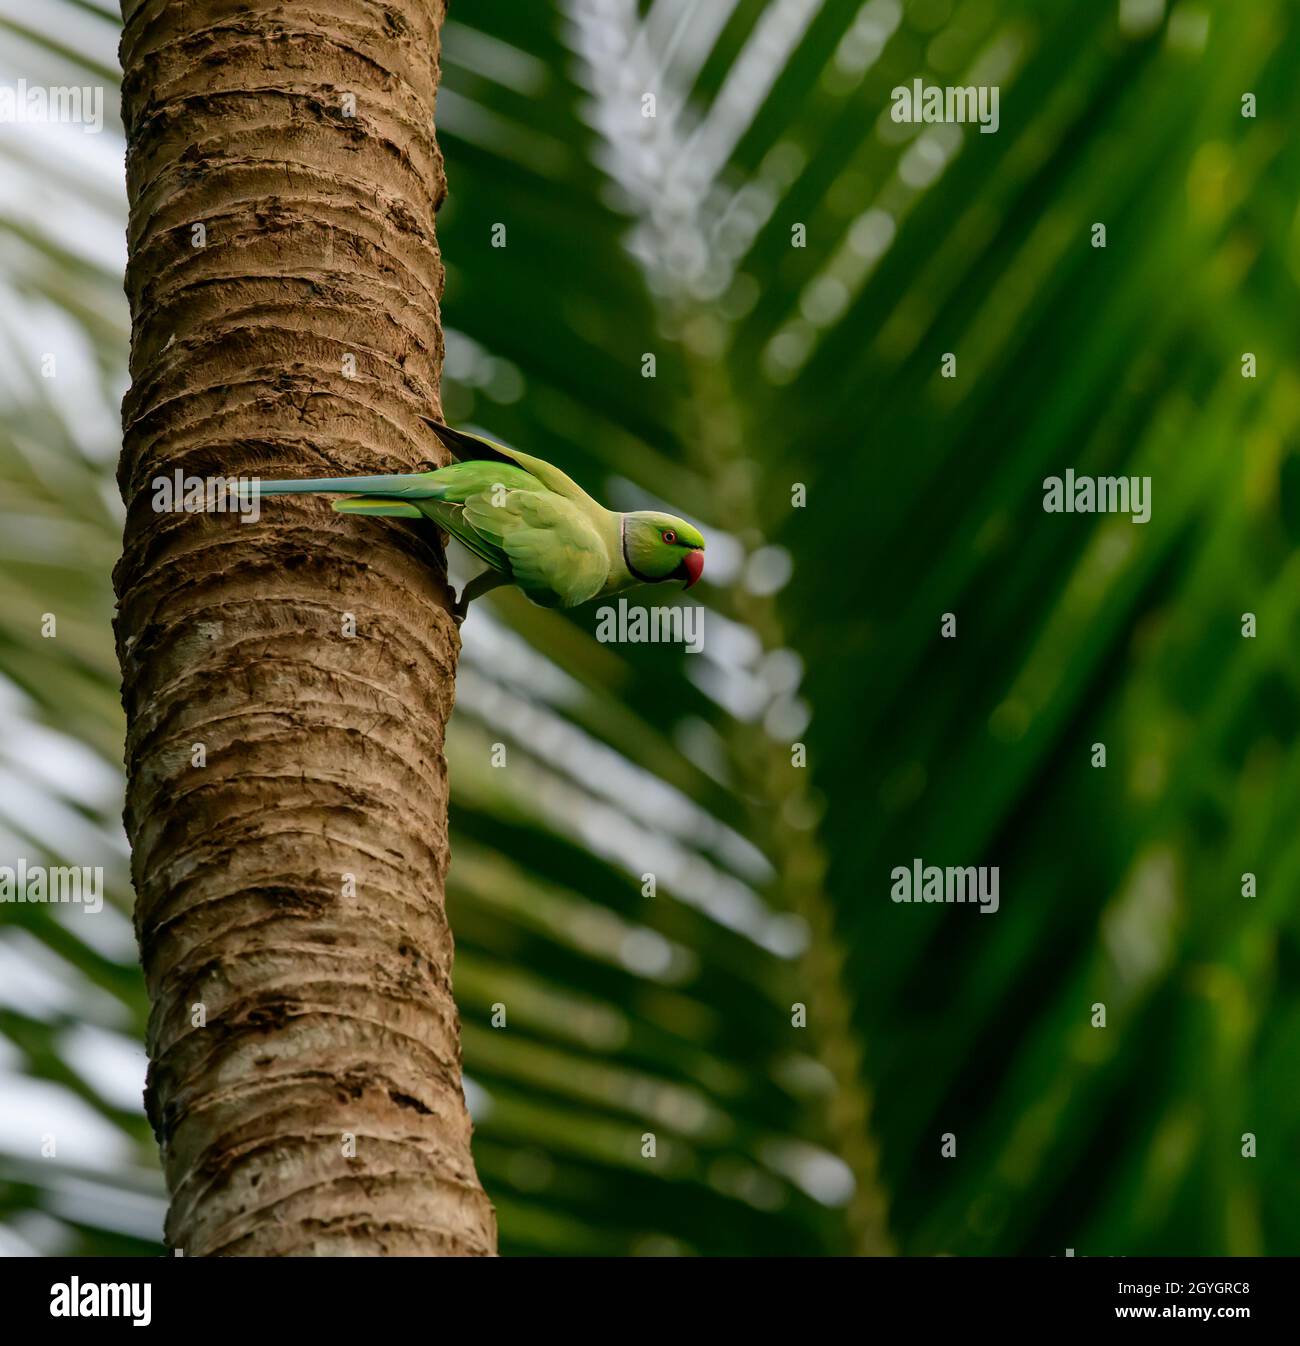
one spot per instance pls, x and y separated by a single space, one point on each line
287 682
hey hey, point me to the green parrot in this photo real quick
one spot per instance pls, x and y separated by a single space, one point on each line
534 526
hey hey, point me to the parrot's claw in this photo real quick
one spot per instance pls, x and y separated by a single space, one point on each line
475 588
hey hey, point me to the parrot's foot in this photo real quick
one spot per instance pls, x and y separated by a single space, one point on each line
481 584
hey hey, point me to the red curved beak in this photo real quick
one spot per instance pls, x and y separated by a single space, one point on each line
693 565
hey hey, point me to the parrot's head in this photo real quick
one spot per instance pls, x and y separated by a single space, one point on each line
662 547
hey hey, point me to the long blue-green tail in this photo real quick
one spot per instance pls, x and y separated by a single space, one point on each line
411 485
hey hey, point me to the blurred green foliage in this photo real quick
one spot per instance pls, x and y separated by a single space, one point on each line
852 496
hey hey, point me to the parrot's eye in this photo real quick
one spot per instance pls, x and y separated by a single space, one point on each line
670 537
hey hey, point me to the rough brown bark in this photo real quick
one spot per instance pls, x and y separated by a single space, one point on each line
291 1008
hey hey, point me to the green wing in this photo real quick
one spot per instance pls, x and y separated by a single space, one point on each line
435 495
474 448
551 548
